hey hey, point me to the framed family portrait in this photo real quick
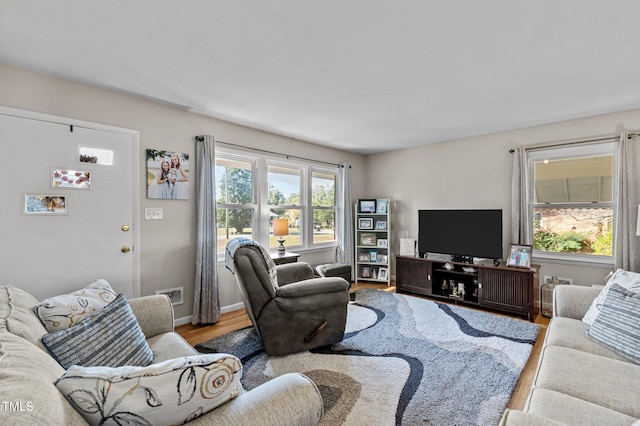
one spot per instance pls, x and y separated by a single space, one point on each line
365 223
366 206
519 255
167 175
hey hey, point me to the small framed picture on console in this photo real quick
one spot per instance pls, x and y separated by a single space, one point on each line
519 256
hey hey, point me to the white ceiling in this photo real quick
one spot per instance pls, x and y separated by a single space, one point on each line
361 75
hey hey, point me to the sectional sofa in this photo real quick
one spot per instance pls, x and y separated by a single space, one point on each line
28 377
578 381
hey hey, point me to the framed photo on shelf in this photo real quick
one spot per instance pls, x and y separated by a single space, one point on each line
365 223
367 239
382 206
382 258
519 255
366 206
383 273
363 257
381 225
366 272
383 243
373 256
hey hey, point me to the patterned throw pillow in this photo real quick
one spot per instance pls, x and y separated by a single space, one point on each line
110 337
618 325
625 279
171 392
60 312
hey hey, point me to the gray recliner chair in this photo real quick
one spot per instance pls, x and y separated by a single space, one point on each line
302 313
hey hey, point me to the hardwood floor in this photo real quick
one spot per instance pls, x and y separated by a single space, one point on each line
236 320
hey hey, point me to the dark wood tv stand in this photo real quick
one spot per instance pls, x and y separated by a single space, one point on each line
500 288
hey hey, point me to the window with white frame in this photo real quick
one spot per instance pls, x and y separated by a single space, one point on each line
573 202
235 199
254 190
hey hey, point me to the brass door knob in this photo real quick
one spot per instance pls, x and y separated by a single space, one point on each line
125 249
125 228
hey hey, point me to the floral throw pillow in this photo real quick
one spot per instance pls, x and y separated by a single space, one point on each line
60 312
175 391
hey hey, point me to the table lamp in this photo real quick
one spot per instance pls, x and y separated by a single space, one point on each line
280 229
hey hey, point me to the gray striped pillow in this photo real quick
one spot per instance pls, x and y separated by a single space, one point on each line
110 337
617 327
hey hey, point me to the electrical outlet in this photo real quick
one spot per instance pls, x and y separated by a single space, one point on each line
175 294
153 213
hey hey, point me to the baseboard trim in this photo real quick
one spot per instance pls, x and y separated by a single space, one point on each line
223 310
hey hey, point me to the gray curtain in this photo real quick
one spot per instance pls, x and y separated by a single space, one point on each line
344 253
520 223
206 301
627 253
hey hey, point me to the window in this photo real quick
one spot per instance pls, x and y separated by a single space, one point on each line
284 191
323 200
573 202
252 191
236 207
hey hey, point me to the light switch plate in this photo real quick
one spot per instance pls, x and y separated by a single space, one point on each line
153 213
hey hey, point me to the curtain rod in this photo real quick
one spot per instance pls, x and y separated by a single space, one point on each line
201 138
595 139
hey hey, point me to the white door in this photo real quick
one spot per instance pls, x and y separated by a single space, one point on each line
49 253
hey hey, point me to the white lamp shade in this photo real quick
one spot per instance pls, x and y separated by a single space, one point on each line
280 227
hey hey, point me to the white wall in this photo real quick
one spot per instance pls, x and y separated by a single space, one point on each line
476 173
167 249
467 173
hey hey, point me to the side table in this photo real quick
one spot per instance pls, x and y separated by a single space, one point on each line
287 257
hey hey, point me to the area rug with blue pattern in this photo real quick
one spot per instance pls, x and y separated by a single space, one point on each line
404 360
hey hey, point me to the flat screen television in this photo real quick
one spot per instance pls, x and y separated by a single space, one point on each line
464 234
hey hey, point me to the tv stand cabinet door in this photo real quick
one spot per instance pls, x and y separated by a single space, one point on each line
413 275
506 291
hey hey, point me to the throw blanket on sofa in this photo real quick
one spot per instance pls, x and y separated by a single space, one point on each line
236 243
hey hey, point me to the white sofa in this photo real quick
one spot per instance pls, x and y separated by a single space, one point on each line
27 372
577 381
